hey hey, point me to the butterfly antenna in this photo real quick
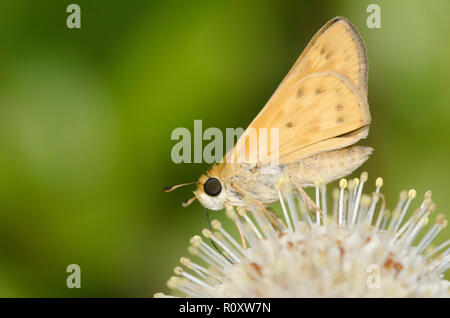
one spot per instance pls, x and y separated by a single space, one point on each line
188 202
212 242
171 188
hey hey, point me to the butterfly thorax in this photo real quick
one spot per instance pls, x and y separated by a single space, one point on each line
255 182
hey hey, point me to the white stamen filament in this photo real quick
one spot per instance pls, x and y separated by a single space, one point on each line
285 212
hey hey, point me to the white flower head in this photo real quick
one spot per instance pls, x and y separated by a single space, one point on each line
355 249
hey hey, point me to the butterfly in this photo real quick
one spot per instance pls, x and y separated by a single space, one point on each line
320 110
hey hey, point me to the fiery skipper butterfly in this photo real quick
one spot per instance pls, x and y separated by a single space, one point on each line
320 109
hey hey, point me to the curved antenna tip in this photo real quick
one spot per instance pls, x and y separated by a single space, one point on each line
188 202
171 188
167 189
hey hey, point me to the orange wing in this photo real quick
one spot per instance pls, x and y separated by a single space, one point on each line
321 103
336 46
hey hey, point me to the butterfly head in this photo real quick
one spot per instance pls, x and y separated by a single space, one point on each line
210 192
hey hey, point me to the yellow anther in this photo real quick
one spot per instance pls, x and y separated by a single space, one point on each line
178 270
351 184
216 224
442 221
379 182
230 213
364 176
283 183
206 233
193 250
403 195
185 261
241 211
173 282
343 183
432 207
196 241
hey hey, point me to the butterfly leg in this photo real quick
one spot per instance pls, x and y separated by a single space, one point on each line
312 206
243 243
273 220
241 234
278 220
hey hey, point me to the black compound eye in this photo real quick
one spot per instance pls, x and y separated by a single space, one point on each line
212 187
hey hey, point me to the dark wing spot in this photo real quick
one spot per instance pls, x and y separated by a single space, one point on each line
300 92
340 120
339 107
322 51
290 124
329 53
319 91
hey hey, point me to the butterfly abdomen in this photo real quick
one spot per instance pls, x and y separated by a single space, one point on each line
330 165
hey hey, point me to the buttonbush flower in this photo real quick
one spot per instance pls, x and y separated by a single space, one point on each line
353 247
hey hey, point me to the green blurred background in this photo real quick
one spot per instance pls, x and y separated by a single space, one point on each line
86 117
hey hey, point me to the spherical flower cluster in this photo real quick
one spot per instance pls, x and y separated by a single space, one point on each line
356 249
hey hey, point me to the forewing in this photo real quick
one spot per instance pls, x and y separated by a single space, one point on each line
338 47
323 111
311 115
